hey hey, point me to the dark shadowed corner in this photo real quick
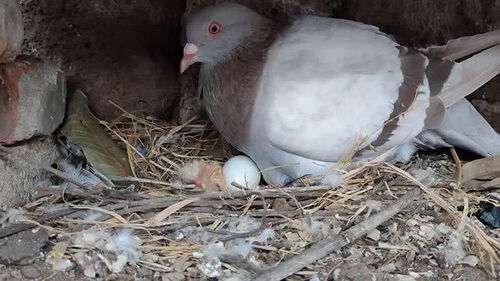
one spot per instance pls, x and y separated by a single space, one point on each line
126 52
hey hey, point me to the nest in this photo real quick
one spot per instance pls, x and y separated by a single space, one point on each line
176 231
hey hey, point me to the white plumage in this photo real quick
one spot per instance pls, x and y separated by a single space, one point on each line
305 97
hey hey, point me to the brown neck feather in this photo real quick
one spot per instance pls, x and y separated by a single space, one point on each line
229 88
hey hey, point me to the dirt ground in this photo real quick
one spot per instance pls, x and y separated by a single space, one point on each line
128 52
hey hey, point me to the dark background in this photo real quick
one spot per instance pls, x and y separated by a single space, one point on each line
128 51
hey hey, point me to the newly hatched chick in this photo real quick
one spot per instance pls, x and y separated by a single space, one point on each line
205 174
210 176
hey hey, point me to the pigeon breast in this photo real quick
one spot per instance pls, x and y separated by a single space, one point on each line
229 89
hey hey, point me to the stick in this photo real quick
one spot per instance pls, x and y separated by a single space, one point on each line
336 242
139 180
458 163
16 228
49 169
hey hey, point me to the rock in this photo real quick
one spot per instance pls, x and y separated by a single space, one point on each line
470 260
354 271
189 102
32 99
412 222
31 271
124 51
89 272
174 276
399 277
23 248
374 235
444 229
390 267
11 30
18 179
427 231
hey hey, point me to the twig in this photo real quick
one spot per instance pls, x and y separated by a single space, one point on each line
251 233
139 180
481 237
458 163
16 228
335 243
101 194
49 169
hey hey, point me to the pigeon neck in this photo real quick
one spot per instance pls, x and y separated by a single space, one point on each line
229 88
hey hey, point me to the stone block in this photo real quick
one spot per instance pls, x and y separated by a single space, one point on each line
32 99
11 30
19 179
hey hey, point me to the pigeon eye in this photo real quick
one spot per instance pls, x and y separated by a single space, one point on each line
215 28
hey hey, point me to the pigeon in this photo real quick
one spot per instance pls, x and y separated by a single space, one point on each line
318 95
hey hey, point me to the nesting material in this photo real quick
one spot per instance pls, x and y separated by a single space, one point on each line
112 250
239 172
181 230
19 179
453 251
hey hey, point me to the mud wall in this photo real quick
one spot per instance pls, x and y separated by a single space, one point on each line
123 51
128 51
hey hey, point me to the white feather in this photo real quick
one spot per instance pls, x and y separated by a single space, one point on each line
323 92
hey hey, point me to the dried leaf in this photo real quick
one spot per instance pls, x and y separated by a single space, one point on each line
158 218
82 128
482 168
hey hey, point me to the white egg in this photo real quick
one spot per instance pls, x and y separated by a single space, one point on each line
243 171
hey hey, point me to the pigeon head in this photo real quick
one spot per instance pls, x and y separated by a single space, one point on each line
214 32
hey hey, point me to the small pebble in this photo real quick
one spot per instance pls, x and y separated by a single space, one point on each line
470 260
390 267
174 276
31 271
89 272
411 222
444 229
400 277
374 235
427 231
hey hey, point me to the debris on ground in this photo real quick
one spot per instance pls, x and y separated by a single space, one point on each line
11 30
24 247
159 224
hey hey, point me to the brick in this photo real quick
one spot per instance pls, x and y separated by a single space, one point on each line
18 179
11 30
32 99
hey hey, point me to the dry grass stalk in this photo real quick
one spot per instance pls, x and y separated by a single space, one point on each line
157 148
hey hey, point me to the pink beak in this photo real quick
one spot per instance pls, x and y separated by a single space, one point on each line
189 57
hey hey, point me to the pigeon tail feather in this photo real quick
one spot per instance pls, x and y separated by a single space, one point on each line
465 77
464 46
464 128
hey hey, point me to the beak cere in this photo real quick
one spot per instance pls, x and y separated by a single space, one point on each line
189 57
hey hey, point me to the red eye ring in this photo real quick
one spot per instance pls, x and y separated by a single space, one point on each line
214 28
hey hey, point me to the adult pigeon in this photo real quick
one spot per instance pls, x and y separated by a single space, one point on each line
303 97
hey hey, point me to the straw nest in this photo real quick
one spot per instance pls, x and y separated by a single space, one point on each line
176 231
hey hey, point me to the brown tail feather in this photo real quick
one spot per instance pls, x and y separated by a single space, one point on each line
464 79
464 46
